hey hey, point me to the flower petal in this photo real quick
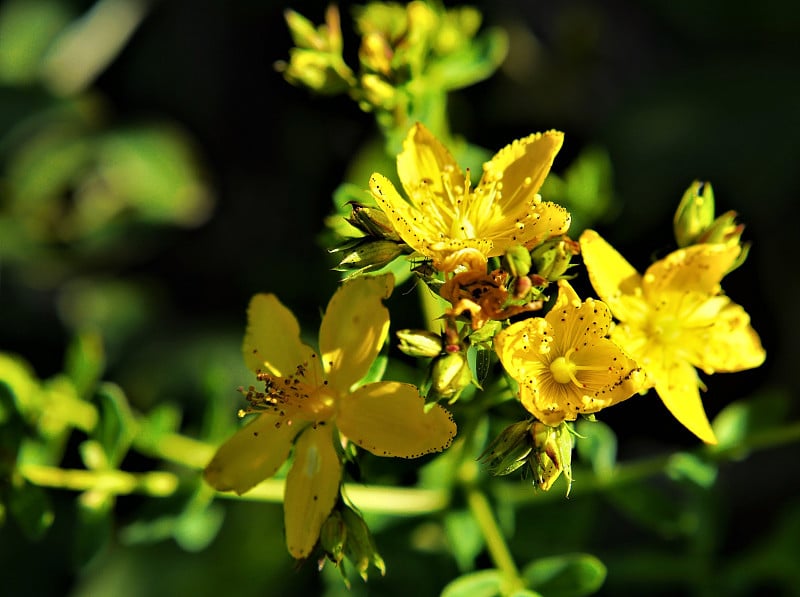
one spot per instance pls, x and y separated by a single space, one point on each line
522 167
354 329
405 218
423 162
389 419
253 453
731 344
612 277
312 488
523 348
272 340
677 385
697 268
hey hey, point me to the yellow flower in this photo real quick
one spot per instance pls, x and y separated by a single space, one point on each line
309 399
564 363
453 224
675 318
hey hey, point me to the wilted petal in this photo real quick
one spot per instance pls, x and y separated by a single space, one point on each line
254 453
272 340
389 419
354 329
312 488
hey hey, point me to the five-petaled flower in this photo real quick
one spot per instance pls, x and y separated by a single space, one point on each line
675 318
315 403
455 225
564 362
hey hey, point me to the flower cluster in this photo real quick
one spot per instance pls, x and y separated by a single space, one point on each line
495 258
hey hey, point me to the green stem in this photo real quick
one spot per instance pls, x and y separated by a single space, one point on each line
155 483
495 542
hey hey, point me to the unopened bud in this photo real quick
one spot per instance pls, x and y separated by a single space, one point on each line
552 258
551 454
695 213
377 93
450 375
372 222
332 537
359 546
419 343
369 255
518 261
509 450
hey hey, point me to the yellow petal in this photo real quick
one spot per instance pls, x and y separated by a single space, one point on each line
404 217
354 329
423 161
272 340
522 167
312 488
388 419
612 277
697 268
677 385
523 348
530 226
730 344
252 454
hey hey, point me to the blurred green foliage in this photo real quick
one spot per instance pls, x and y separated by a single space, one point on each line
148 189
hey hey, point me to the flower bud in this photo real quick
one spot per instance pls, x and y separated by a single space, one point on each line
377 93
450 375
359 546
332 537
320 71
372 222
518 261
551 454
509 450
695 213
420 343
552 257
369 255
376 53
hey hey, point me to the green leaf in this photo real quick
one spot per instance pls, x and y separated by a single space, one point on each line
663 511
691 468
484 583
93 527
464 537
116 426
480 362
476 62
27 28
569 575
85 362
197 528
597 444
31 508
744 417
155 169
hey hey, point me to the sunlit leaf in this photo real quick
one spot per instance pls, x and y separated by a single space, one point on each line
485 583
570 575
464 537
31 508
597 444
691 468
